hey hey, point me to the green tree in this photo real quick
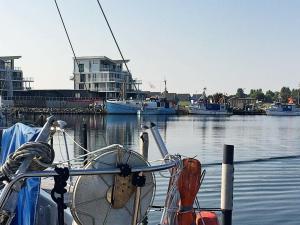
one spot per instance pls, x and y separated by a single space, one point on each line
240 93
295 94
270 96
218 98
257 94
285 93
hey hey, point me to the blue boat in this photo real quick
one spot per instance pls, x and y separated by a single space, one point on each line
122 106
157 106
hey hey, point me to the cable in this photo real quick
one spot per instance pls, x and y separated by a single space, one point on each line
115 40
69 40
69 136
113 36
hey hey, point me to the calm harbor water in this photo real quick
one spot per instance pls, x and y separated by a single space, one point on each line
265 191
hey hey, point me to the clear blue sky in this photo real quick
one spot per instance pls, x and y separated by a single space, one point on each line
221 45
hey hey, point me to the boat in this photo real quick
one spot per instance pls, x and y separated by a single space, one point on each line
210 109
203 107
114 106
158 105
115 187
283 109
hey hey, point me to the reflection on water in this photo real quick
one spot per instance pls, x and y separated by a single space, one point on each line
265 192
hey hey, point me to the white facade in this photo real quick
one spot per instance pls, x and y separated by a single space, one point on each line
11 77
102 74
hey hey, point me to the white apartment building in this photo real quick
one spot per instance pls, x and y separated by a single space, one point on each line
11 77
102 74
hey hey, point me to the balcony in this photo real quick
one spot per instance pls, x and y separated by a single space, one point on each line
109 89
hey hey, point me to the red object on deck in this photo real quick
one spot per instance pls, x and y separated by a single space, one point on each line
206 218
188 186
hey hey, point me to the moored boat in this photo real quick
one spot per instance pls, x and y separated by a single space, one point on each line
203 107
157 106
114 106
281 109
213 109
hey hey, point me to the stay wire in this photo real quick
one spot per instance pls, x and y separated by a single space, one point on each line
67 34
109 27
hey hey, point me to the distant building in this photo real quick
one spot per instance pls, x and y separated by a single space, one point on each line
196 97
241 103
183 97
11 77
102 74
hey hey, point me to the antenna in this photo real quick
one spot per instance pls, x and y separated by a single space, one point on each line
165 82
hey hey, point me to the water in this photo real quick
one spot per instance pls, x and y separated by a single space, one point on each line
265 191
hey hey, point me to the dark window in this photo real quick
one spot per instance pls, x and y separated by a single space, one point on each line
81 86
82 77
81 68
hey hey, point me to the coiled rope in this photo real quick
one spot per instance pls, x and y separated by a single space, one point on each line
41 153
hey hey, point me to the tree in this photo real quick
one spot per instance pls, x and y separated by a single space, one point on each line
218 98
240 93
285 93
257 94
270 96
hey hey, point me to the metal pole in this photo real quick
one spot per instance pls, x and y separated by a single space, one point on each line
51 142
227 184
159 141
144 144
85 136
137 200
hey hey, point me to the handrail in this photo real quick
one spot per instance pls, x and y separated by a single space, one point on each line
80 172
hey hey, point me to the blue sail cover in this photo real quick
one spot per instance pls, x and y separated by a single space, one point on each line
12 139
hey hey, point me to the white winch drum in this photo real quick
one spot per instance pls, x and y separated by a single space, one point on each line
91 193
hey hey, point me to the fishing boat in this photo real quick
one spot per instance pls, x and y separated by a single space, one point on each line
115 187
158 105
114 106
203 107
281 109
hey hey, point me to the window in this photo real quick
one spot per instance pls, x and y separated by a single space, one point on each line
82 77
81 68
81 86
95 61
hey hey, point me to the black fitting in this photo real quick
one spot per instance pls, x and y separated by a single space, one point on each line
125 170
60 182
138 180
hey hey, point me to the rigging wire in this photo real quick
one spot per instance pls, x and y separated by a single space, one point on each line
112 33
115 40
69 39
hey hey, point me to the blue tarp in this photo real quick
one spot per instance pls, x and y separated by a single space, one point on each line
12 138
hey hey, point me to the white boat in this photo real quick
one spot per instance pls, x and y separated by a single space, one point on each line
114 106
203 107
157 106
281 109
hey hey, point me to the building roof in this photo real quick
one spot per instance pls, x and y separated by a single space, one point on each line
4 58
103 58
246 98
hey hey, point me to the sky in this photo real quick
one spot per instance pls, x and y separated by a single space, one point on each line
220 45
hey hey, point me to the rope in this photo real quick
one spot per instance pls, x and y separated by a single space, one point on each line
93 152
69 136
42 154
